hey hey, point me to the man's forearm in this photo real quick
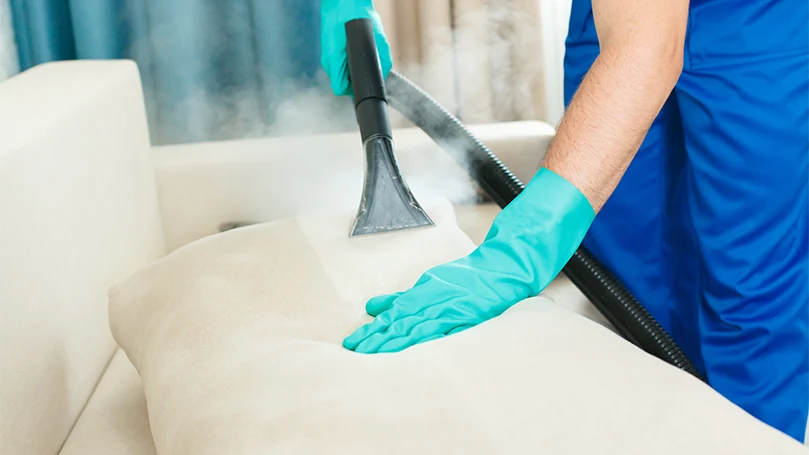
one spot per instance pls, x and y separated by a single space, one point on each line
641 58
607 121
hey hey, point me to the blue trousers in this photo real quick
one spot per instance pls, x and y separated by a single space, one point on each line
709 226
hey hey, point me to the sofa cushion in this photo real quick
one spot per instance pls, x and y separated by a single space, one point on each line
115 421
237 338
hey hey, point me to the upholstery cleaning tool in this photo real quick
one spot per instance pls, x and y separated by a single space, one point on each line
387 204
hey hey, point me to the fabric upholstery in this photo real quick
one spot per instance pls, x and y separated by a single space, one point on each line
78 211
237 340
115 421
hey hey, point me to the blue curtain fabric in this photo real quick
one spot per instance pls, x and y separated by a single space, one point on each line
211 70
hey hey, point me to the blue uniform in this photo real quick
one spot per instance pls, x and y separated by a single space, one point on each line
708 228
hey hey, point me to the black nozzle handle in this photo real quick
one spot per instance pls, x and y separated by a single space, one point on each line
367 83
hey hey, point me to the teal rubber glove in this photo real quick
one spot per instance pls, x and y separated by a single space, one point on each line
333 16
527 246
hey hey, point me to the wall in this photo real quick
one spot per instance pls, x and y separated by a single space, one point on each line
555 16
8 51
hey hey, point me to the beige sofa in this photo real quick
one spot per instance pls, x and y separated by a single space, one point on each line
85 201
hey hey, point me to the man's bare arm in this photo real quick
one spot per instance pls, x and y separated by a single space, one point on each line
640 61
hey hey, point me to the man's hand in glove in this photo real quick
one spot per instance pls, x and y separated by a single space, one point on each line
333 16
527 246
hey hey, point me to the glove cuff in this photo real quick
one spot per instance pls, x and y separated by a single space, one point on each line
561 197
543 226
358 8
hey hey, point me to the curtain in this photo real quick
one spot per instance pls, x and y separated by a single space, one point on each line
215 70
211 70
482 59
8 49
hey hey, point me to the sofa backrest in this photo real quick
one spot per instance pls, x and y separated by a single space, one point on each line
203 185
78 211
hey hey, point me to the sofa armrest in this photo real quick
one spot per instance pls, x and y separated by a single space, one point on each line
78 211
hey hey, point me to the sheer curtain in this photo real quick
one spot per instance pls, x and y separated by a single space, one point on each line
482 59
8 50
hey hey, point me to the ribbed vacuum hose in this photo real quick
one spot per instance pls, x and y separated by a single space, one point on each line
617 305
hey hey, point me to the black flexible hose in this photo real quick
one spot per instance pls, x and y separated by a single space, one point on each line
617 305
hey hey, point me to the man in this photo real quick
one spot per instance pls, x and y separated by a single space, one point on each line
708 226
